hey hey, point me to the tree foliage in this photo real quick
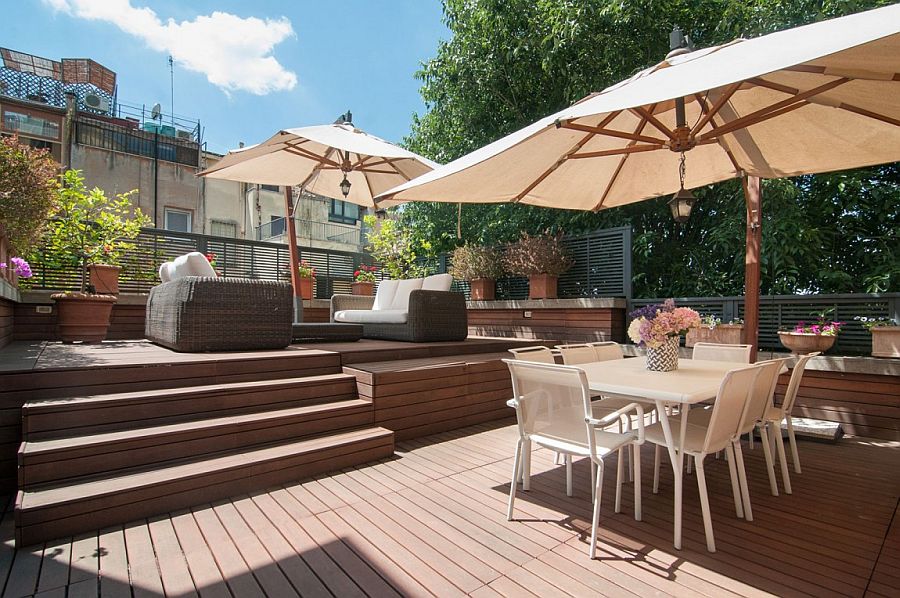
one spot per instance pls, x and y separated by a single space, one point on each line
28 183
511 62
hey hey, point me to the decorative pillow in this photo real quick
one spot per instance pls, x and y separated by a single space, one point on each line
404 288
437 282
165 271
192 264
384 297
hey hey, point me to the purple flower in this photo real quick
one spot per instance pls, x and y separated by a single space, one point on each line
20 267
648 311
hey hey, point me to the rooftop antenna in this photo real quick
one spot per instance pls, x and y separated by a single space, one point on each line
345 119
172 86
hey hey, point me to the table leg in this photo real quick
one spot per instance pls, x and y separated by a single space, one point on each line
676 459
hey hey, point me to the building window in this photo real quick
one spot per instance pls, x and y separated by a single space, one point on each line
223 228
30 125
178 220
274 188
343 211
276 226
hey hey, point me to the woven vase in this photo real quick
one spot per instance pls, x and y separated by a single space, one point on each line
663 358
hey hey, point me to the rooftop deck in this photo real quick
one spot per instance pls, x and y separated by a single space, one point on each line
431 520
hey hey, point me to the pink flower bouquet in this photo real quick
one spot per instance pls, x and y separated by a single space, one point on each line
653 326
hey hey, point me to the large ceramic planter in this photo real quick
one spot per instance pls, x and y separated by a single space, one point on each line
542 286
802 343
663 358
886 341
306 287
104 278
363 288
82 317
483 289
728 334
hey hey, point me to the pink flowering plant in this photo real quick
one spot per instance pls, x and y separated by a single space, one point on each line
19 266
652 326
821 326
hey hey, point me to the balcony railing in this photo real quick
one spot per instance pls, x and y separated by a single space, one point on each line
311 230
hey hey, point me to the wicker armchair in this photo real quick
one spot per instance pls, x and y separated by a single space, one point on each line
433 316
194 313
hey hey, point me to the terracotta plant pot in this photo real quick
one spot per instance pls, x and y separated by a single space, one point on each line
542 286
105 278
729 334
886 341
307 286
82 317
483 289
802 343
363 288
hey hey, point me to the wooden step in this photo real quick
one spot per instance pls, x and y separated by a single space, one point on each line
56 512
58 418
59 459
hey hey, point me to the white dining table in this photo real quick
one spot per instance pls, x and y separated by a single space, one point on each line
693 382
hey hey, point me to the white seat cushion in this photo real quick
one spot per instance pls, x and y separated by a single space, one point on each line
191 264
437 282
384 297
165 271
404 288
371 316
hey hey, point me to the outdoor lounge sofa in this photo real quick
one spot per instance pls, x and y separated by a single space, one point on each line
193 310
414 310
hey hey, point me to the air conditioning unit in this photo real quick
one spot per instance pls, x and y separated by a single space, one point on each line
185 135
96 102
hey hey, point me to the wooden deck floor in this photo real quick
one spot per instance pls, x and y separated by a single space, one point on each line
431 521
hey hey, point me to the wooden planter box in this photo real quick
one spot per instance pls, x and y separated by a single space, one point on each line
542 286
886 341
307 286
729 334
483 289
362 288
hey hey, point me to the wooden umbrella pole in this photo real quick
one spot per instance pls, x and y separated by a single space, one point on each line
753 200
294 252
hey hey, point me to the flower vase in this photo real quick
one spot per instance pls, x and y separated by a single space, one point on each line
665 357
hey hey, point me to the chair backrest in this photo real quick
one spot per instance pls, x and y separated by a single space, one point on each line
722 352
790 395
729 407
576 354
552 401
762 393
608 350
538 354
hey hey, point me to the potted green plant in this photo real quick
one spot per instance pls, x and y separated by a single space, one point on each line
712 330
481 266
809 337
542 259
87 227
885 335
307 279
364 280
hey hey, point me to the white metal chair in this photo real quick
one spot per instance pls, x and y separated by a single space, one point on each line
538 353
716 434
553 409
778 413
722 352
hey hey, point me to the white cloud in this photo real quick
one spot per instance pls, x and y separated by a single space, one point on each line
234 53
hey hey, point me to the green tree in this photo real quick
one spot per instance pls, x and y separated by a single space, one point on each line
511 62
28 183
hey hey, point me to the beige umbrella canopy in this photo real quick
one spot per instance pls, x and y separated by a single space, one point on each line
319 159
813 99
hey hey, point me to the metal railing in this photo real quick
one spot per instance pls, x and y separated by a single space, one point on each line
95 133
312 230
782 312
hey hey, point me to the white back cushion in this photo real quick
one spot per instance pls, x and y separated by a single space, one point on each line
404 288
191 264
437 282
165 271
384 298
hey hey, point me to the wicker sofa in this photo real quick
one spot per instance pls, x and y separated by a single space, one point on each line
428 316
206 313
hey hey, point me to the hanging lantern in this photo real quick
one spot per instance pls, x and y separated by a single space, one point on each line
683 201
345 186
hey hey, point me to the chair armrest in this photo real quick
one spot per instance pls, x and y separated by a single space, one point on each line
608 419
422 303
342 302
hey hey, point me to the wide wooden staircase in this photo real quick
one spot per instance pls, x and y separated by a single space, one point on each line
97 460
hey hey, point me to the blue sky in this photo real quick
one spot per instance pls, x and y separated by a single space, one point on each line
261 66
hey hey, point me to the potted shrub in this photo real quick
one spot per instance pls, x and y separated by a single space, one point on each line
307 279
364 280
806 338
712 330
542 259
86 227
885 335
481 266
659 328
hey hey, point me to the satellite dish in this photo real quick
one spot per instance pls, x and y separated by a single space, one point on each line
156 112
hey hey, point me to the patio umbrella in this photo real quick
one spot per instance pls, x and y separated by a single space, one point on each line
329 160
817 98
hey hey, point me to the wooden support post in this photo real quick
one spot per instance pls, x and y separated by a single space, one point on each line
294 252
753 201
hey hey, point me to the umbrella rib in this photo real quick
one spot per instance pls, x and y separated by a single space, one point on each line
552 168
299 151
775 109
397 168
631 149
611 133
615 176
643 113
711 119
717 105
